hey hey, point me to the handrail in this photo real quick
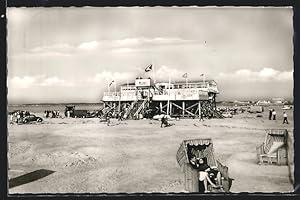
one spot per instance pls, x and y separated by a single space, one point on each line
140 108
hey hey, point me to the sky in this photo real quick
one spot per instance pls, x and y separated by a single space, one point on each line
71 54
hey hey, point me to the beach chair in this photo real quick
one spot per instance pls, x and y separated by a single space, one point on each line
201 148
274 148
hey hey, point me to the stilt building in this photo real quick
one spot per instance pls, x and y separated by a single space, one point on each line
144 98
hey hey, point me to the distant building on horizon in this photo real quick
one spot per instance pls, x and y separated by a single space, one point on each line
263 103
278 100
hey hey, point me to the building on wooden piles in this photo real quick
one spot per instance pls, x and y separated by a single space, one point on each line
144 98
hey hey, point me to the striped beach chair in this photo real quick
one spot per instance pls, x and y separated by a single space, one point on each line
274 149
201 148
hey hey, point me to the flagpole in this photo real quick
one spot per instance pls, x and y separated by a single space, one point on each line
168 104
186 82
108 87
154 74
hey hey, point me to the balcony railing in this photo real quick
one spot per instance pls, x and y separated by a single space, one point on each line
110 94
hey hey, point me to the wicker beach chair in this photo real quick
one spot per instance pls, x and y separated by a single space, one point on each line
274 148
201 148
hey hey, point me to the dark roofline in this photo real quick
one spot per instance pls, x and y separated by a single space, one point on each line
197 81
125 84
177 82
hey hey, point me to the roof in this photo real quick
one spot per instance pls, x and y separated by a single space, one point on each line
174 82
131 84
195 81
183 154
279 132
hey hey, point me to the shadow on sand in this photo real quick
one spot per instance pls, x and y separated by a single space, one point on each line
29 177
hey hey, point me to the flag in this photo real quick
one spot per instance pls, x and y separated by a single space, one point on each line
184 75
149 68
111 83
201 74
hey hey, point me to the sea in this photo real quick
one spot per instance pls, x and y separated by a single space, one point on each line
40 108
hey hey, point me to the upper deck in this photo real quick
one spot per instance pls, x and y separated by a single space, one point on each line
164 91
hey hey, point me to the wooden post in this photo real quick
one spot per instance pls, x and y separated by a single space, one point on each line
199 106
183 108
170 108
160 106
168 103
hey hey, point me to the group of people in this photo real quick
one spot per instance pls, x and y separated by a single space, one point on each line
18 116
51 113
207 174
272 115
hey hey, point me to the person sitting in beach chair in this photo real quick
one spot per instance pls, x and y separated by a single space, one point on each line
206 174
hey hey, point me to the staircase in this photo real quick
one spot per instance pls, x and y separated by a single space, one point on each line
160 92
140 108
218 114
106 110
130 109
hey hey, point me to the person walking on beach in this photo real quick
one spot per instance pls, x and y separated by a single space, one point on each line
21 117
270 114
57 113
16 117
274 114
109 115
12 118
285 120
68 114
120 116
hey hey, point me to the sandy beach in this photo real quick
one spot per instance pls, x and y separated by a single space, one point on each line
131 156
188 62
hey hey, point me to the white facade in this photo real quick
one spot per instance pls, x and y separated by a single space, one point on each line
162 91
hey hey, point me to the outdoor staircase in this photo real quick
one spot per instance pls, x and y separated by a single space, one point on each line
160 92
130 109
218 114
106 110
140 108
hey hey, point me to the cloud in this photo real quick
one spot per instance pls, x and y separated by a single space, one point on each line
55 50
265 74
89 45
37 81
150 41
126 45
106 76
163 73
124 50
54 47
22 82
55 81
